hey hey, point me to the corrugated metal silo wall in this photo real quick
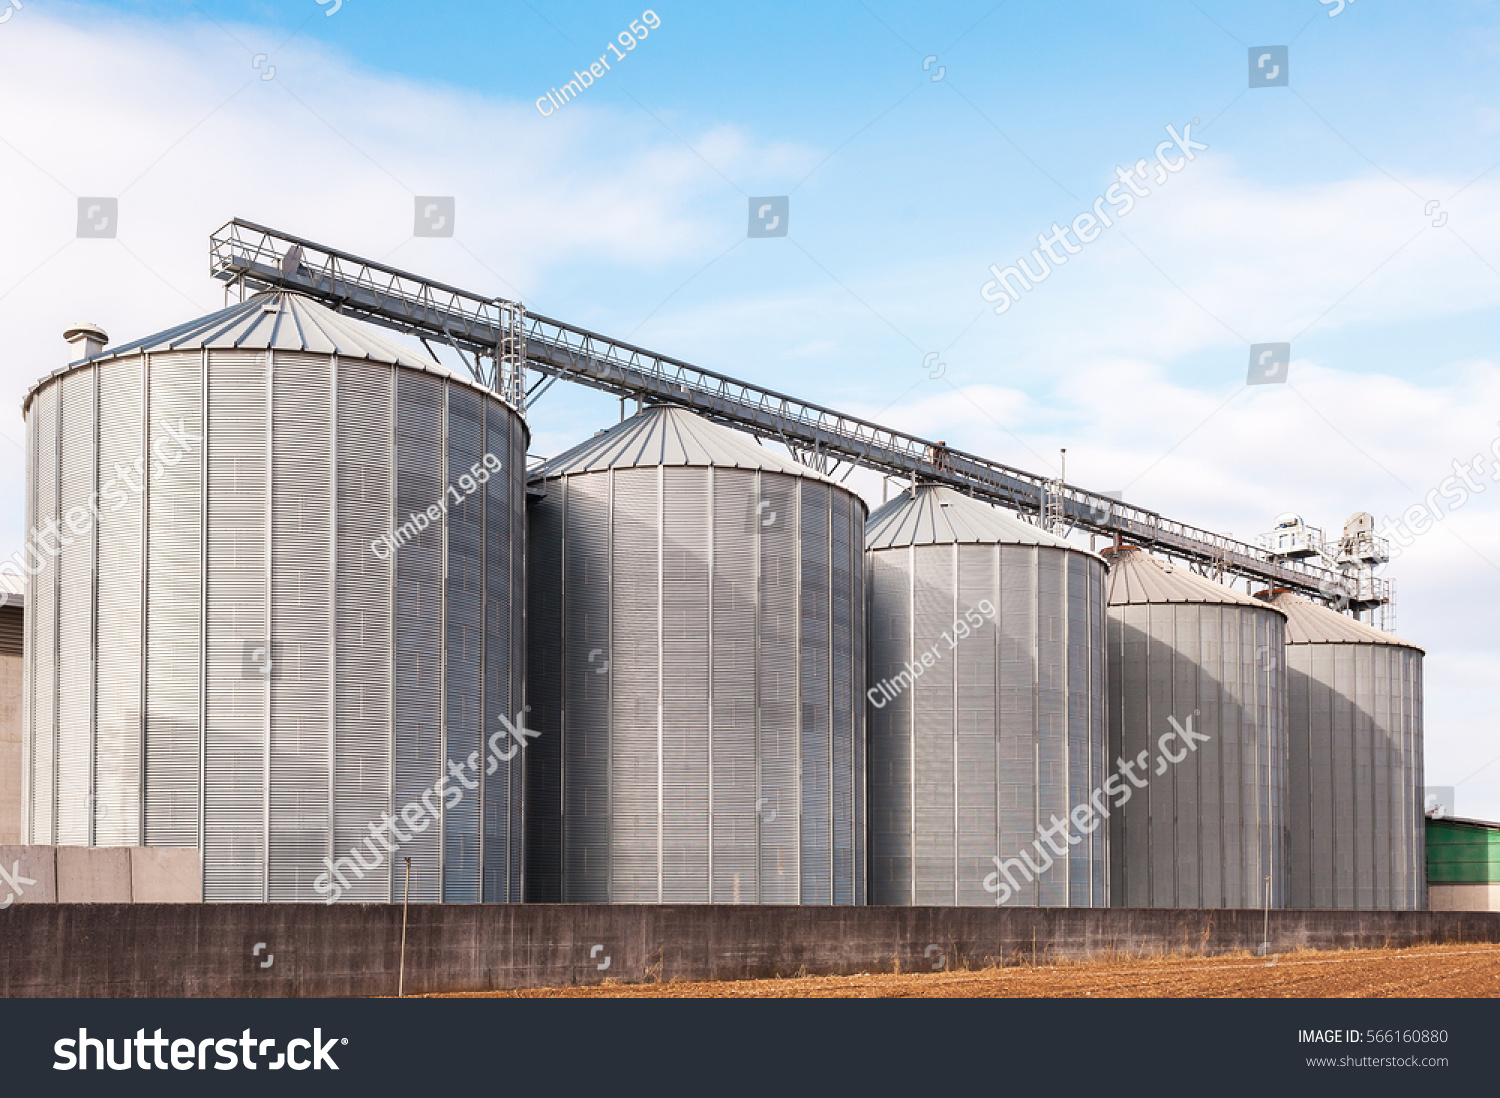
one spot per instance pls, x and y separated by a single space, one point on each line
1207 830
145 721
239 460
695 667
1355 782
120 702
1001 735
75 607
39 743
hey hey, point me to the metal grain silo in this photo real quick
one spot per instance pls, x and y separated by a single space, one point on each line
695 670
1197 739
1354 785
986 695
272 602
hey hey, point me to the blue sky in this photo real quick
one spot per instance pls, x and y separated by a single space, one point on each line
919 173
1306 220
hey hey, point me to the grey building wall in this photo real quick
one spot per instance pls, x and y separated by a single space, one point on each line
12 623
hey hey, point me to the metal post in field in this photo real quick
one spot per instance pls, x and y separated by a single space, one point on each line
1265 929
405 899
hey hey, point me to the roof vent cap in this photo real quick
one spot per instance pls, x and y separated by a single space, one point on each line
87 337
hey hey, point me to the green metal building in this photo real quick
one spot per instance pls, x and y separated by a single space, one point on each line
1463 864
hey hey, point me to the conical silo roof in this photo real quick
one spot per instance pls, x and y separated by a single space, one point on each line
938 515
1309 623
280 321
667 435
274 321
1137 577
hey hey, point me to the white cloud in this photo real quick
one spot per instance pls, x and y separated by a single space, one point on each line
174 120
1263 261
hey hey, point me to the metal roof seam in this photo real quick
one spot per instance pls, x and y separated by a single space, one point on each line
938 515
1136 577
1310 623
252 324
664 434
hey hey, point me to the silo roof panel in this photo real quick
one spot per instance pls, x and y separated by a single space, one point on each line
280 321
1136 577
938 515
1310 623
667 435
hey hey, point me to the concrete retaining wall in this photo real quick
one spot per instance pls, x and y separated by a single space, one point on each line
165 875
353 949
1463 897
31 874
101 874
93 875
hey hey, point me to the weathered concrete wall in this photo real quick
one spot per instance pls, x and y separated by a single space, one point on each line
1463 897
165 875
101 874
33 873
353 949
93 874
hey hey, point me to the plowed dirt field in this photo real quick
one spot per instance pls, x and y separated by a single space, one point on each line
1471 971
